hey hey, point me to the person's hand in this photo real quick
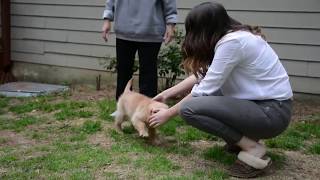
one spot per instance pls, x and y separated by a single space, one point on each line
160 98
169 35
158 117
106 28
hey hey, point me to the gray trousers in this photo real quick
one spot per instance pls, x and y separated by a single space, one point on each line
231 118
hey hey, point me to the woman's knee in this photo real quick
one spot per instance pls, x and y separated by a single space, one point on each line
186 110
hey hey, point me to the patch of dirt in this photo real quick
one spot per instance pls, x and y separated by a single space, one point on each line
304 106
296 166
83 92
15 139
100 139
206 144
301 166
14 102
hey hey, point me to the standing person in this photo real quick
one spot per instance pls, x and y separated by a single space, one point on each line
228 57
140 25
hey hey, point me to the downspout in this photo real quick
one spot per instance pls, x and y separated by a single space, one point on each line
5 61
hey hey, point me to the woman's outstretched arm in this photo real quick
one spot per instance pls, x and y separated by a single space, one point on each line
182 88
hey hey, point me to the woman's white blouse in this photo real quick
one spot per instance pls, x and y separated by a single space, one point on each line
245 67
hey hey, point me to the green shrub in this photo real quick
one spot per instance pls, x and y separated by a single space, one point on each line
169 66
170 58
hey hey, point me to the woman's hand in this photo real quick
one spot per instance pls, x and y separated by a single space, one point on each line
158 117
160 98
169 34
106 28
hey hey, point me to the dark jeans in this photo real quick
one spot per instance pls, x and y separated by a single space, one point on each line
148 74
231 118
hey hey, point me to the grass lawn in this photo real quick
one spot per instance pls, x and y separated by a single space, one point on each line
71 136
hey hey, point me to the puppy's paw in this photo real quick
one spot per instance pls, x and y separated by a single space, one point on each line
118 128
144 134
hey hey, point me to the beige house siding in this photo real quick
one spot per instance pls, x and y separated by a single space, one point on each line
67 33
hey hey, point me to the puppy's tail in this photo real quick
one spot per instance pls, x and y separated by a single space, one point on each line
128 86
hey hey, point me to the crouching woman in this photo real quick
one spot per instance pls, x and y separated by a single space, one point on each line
238 89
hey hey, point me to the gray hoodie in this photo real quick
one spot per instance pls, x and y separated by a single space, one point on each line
141 20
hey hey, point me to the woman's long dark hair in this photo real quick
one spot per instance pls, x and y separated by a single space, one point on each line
205 25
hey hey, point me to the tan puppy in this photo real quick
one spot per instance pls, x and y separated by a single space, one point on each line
137 108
